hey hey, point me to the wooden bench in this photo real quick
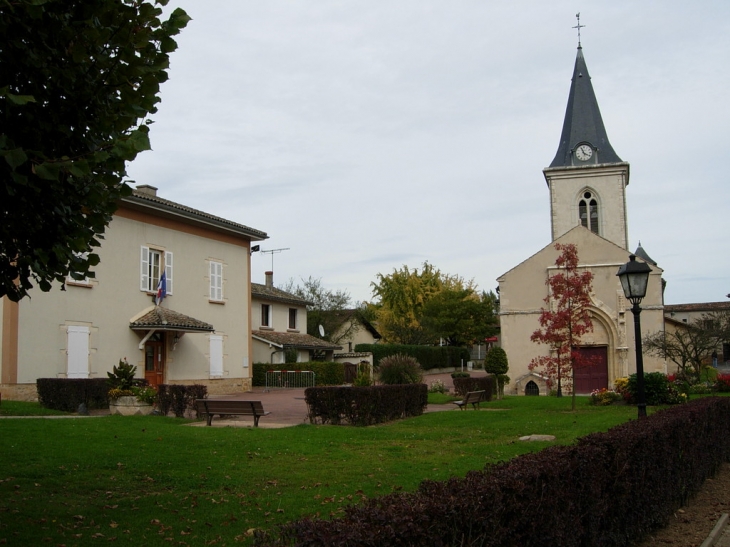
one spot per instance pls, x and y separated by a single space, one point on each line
473 398
230 407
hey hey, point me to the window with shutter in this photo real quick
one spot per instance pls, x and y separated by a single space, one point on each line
216 356
216 281
77 352
151 268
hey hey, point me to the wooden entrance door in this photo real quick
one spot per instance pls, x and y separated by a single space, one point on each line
154 359
595 375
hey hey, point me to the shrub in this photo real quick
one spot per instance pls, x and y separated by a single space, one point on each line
400 369
488 383
437 386
496 363
178 398
583 494
604 397
365 405
656 388
66 394
363 378
326 373
460 375
429 357
722 383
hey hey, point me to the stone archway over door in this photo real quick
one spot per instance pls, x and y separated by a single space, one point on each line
594 376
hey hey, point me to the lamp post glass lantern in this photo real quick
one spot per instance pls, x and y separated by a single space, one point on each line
634 278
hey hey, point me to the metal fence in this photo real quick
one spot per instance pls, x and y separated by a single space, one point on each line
282 379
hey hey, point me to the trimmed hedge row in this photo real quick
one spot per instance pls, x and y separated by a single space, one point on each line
428 356
179 398
327 373
66 394
488 383
365 405
609 489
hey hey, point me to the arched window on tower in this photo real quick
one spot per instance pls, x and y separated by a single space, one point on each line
588 211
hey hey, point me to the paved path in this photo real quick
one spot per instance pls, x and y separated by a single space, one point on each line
288 408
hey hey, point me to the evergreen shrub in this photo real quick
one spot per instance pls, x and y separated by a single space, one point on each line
179 398
593 492
66 394
487 383
326 373
365 405
429 357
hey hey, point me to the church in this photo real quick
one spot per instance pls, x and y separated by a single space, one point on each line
586 183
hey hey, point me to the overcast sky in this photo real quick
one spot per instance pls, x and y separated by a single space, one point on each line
366 135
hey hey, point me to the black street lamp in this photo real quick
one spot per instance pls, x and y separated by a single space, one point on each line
634 278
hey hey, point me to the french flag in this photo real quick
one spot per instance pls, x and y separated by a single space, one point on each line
161 289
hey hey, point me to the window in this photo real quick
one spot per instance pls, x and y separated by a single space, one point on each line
265 315
216 356
588 212
77 352
84 281
292 318
216 281
152 263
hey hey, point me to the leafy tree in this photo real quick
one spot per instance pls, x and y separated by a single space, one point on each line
326 307
566 319
78 80
421 307
689 347
496 363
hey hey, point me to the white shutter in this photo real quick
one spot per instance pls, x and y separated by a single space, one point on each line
144 275
216 356
216 281
168 271
77 350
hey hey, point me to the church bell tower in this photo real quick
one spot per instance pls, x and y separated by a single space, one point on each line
587 180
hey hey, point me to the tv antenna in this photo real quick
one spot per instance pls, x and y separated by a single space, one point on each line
272 252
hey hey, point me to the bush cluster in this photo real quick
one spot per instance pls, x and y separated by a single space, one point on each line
179 398
428 356
592 493
487 383
365 405
400 369
66 394
327 373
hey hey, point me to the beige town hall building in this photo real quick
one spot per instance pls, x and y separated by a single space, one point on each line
587 183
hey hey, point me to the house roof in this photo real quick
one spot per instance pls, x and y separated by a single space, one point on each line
292 340
145 197
160 318
583 121
341 316
697 307
266 292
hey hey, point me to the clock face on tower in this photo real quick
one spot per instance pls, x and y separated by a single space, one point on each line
583 152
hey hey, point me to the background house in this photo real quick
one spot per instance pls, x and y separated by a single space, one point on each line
279 327
200 332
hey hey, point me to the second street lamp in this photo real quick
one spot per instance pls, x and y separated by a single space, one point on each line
634 278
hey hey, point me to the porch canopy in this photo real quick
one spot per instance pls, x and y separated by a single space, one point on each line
164 319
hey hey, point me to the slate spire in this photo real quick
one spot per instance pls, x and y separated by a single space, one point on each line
583 122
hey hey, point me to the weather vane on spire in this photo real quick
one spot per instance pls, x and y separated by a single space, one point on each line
578 26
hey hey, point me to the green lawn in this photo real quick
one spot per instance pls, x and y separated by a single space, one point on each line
153 481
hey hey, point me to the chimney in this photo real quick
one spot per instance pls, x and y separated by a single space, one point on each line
147 190
269 280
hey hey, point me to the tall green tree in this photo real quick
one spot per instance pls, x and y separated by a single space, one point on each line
565 320
78 80
427 306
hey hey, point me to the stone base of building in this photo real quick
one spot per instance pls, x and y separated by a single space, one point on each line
19 392
220 386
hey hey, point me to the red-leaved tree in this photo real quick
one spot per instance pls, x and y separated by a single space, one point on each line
565 321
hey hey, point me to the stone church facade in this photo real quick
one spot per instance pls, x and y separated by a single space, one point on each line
587 183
